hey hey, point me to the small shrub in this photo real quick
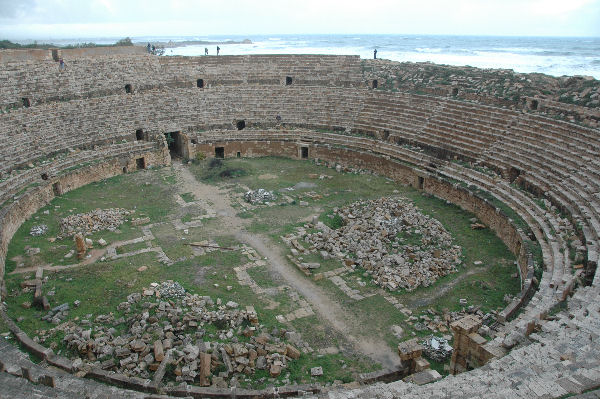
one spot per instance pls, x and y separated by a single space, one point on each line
215 163
231 173
200 156
335 222
170 370
124 42
221 324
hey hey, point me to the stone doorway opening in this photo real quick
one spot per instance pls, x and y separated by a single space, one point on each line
56 189
375 84
513 173
220 152
175 144
304 152
200 83
140 163
128 89
288 80
139 134
534 105
421 183
240 124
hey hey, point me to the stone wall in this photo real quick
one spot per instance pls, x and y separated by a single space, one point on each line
9 55
252 148
427 141
14 214
470 349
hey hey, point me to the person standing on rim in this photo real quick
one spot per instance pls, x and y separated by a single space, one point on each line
218 49
205 50
375 54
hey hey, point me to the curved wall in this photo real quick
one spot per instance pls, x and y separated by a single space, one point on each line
526 161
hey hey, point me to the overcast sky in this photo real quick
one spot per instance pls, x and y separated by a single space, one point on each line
46 19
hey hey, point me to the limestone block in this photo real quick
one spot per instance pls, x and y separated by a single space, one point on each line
410 349
466 325
205 360
159 354
421 364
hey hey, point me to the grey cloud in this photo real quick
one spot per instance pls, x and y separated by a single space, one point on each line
15 8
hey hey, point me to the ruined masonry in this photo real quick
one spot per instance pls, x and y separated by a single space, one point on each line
535 151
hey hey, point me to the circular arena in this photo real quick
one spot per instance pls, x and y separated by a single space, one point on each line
336 199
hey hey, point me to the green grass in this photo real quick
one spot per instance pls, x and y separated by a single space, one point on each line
484 286
131 247
262 277
148 196
326 264
103 285
187 197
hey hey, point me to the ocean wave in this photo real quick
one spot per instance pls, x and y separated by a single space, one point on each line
554 56
428 50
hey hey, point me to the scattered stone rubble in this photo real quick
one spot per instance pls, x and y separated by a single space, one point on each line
502 87
436 348
439 322
96 220
259 196
392 240
169 331
38 230
170 289
57 314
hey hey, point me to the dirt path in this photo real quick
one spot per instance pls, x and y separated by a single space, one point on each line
341 320
330 311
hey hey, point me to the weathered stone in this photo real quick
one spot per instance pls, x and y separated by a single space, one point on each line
292 352
261 363
205 361
275 370
159 354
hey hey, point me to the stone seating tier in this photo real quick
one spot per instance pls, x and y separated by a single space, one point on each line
41 81
96 120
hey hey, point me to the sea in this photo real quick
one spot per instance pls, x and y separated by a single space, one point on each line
555 56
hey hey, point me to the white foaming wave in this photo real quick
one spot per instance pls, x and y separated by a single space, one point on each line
519 49
556 65
428 50
551 65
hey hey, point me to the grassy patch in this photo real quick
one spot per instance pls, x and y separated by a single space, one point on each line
187 197
262 277
131 247
147 196
102 286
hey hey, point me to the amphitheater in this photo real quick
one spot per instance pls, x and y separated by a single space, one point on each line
107 115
